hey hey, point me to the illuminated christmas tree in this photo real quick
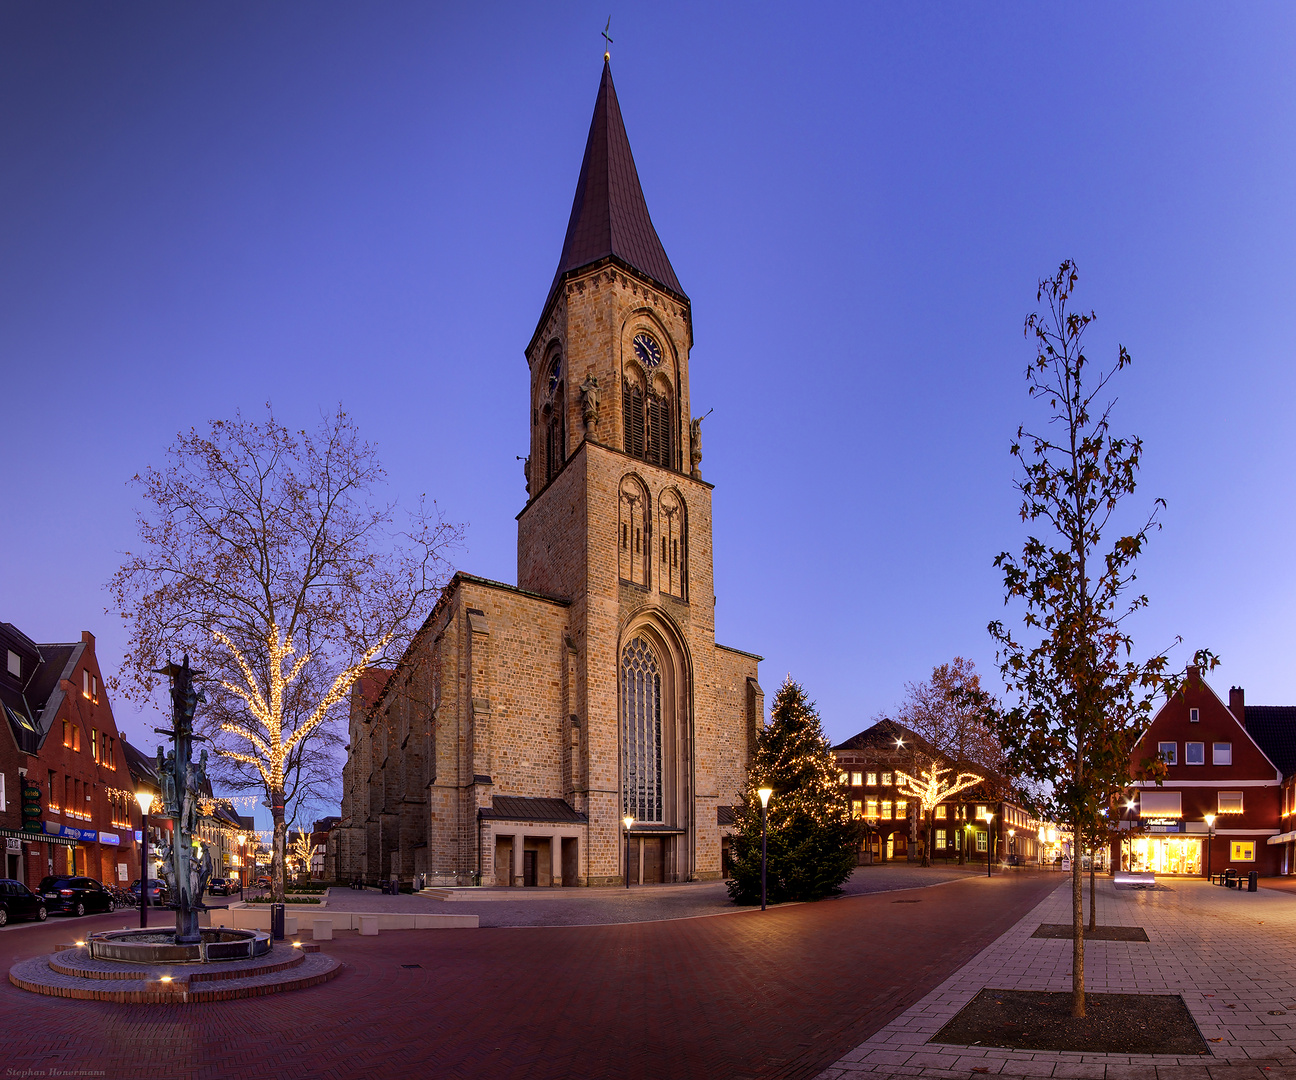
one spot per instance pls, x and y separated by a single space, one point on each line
810 835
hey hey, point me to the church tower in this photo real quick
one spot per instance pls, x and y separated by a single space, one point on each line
618 520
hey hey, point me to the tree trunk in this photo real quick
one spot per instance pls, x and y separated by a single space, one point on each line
963 833
1077 928
927 835
277 853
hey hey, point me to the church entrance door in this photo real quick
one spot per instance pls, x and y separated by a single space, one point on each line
529 868
654 864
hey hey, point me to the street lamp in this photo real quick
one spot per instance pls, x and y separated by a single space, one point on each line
1012 845
628 820
1210 835
764 794
145 799
989 817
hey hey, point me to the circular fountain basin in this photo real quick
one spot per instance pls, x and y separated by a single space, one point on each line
161 947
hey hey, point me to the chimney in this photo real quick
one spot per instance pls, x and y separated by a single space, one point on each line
1237 703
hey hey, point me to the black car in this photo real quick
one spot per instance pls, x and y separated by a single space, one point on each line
74 895
19 902
157 894
219 886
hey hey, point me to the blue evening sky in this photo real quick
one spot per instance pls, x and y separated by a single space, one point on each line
205 207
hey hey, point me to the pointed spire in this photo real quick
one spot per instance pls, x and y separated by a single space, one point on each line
609 216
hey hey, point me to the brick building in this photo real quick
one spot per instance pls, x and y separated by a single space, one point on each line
76 812
1216 766
525 720
870 764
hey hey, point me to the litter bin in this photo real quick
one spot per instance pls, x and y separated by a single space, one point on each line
277 922
1253 881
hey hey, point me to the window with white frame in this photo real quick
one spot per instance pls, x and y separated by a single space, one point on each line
1168 752
1230 802
1194 753
1222 753
1194 717
981 840
15 664
940 812
940 837
872 780
857 779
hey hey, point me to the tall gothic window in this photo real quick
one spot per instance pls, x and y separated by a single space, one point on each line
641 733
647 419
634 538
555 414
672 545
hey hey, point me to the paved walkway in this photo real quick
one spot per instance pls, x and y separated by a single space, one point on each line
775 994
1232 955
606 907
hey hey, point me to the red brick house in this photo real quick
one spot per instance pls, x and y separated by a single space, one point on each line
78 811
1216 767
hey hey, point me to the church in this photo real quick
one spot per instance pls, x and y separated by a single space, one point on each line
526 724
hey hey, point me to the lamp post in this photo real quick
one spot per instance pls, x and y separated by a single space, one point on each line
628 820
1012 846
764 794
145 801
989 845
1210 835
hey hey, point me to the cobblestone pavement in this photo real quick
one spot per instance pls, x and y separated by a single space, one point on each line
1231 954
781 993
602 907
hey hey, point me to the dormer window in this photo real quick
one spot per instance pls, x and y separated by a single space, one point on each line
15 664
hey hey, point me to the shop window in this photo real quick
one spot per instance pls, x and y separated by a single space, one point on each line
940 813
1194 753
981 840
872 779
940 838
1194 716
1168 752
1230 802
1243 851
1222 753
857 808
886 809
870 809
886 779
857 779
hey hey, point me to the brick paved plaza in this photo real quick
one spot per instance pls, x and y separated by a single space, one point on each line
1232 955
783 993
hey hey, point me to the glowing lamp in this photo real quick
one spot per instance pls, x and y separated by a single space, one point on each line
145 799
166 978
627 821
764 794
1210 821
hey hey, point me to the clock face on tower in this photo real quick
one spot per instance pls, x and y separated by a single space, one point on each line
647 350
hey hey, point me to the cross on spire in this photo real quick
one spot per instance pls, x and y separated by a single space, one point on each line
607 49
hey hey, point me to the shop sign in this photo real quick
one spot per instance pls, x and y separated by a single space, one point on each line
139 837
109 838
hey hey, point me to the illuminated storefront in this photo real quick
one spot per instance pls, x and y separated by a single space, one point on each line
1166 854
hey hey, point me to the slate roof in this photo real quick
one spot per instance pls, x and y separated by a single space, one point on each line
883 735
1274 729
519 808
31 704
609 217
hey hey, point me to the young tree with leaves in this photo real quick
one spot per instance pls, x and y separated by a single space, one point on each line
266 557
812 839
1081 698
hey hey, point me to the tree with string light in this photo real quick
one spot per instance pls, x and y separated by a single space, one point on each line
266 557
810 837
929 789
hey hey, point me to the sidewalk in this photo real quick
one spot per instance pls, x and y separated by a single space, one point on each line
1231 955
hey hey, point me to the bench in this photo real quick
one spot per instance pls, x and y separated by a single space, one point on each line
1134 879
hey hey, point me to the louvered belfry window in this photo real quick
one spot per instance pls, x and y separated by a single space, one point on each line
632 403
641 736
659 429
647 421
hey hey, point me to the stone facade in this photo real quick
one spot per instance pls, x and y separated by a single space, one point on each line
524 722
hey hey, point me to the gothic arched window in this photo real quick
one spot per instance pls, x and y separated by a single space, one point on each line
672 545
632 409
633 535
641 732
554 416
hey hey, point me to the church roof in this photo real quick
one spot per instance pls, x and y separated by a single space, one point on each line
523 808
609 217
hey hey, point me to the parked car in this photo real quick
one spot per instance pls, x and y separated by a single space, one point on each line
157 891
19 902
219 886
74 895
263 882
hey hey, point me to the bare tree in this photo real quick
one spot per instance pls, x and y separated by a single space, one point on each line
266 556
